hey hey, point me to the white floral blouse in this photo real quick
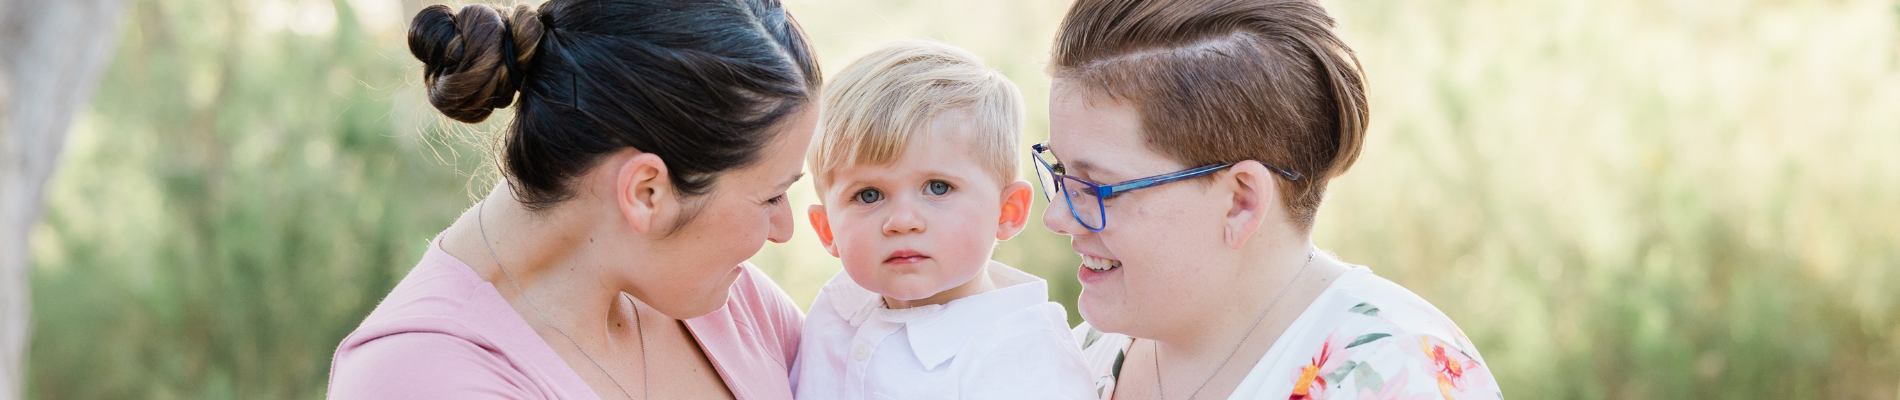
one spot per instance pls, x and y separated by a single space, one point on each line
1363 338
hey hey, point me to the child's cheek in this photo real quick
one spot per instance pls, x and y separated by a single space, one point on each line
856 244
970 237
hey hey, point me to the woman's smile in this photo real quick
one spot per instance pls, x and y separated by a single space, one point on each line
1095 269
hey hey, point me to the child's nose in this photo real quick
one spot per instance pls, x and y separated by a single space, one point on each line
905 218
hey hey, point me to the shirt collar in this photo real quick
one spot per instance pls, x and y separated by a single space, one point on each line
937 332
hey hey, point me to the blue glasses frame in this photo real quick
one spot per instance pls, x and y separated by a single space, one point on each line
1055 176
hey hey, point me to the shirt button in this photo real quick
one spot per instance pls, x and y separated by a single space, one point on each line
861 352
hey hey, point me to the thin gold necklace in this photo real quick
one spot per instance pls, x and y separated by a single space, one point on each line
646 389
1243 338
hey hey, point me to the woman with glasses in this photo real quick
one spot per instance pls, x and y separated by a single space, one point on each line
1190 145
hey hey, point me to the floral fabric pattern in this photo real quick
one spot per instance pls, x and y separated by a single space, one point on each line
1363 338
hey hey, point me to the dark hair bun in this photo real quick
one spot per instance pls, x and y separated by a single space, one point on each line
465 56
702 84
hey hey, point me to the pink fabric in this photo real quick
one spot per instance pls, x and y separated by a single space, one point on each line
444 333
754 338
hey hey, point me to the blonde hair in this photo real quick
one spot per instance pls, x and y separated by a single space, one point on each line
875 105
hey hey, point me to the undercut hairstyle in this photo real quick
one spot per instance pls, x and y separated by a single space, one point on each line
882 101
1224 81
701 84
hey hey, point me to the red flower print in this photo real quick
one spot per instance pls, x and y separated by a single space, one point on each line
1310 374
1449 371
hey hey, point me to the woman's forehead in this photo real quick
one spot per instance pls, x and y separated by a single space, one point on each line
1092 142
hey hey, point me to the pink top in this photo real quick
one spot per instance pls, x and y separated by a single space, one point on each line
445 333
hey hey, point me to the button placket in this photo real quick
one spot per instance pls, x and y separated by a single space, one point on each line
863 344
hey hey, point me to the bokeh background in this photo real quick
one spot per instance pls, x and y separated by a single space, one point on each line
1631 199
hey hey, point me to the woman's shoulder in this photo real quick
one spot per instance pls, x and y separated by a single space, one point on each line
425 364
444 330
1366 302
1368 336
441 294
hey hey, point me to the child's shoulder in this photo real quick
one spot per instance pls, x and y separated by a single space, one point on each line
1018 311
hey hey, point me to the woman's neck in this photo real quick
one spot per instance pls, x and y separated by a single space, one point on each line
544 263
1258 310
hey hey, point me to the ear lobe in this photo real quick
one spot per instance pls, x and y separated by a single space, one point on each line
1015 210
642 190
822 225
1254 192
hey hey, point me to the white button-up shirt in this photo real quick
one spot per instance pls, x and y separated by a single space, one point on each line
1008 343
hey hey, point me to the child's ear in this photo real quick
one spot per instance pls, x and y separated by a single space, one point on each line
823 226
1015 210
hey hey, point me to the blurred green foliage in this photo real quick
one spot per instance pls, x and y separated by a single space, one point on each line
238 197
1614 199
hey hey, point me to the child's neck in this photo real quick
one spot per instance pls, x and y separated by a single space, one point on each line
979 284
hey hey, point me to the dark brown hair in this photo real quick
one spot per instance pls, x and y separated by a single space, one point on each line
698 83
1222 81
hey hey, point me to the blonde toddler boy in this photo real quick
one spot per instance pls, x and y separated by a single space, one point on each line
916 170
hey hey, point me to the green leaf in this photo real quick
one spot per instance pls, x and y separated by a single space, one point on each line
1091 337
1367 338
1368 378
1365 308
1340 373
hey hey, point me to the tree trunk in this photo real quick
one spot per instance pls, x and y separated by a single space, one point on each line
51 56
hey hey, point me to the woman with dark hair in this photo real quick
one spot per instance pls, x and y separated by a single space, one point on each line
648 158
1190 144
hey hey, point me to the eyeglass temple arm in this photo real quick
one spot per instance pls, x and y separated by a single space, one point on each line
1105 191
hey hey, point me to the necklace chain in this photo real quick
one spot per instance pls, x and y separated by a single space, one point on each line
1243 338
646 389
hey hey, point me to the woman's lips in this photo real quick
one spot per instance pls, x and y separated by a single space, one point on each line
1095 269
905 257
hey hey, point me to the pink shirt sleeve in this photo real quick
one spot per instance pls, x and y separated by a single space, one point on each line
753 340
423 365
444 333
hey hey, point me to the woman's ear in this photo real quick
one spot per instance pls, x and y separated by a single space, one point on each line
642 190
1015 210
1255 197
820 223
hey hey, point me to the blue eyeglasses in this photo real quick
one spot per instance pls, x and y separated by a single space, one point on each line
1085 197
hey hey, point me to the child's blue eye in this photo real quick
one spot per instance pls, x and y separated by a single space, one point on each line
937 188
869 195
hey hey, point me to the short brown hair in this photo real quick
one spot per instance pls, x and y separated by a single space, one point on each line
1222 81
875 105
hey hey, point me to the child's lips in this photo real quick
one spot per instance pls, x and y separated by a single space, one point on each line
905 257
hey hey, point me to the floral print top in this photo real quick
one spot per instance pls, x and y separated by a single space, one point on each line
1363 338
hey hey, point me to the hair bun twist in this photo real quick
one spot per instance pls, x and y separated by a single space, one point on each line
466 56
